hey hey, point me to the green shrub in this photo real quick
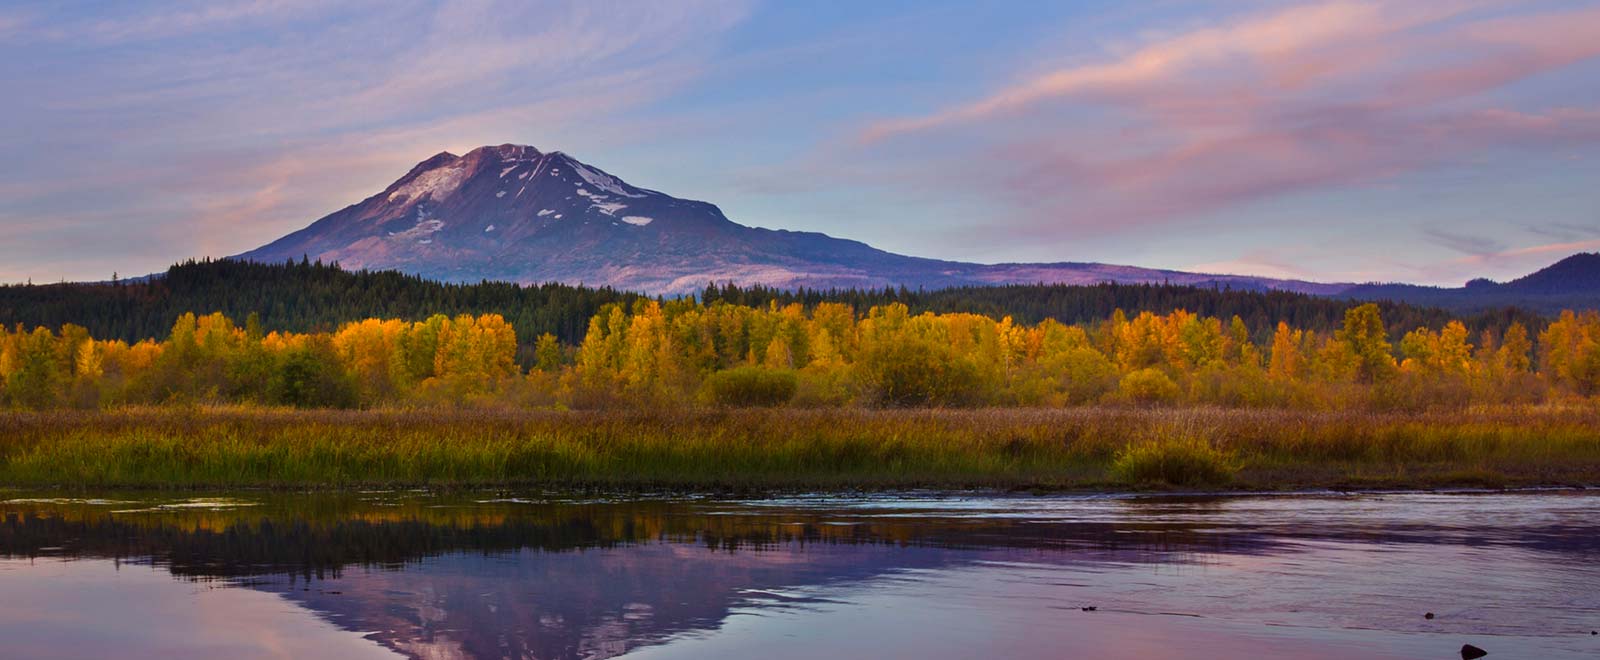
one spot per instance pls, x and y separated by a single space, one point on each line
1178 461
821 387
310 377
751 386
911 372
1086 374
1148 386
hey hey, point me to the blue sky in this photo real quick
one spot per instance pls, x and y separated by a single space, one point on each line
1352 141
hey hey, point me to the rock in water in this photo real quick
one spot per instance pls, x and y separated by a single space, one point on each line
1470 652
1428 616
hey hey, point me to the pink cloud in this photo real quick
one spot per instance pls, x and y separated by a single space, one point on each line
1271 263
1545 250
1316 96
1509 263
1293 43
205 150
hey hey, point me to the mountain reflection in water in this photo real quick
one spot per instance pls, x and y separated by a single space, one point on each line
552 576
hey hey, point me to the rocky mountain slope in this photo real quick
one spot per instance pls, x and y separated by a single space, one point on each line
514 213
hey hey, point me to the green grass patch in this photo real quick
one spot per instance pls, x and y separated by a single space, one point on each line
838 448
1174 459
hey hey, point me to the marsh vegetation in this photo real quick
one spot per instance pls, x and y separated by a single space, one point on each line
684 394
796 448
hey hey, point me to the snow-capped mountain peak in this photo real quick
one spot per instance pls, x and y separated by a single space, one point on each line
511 212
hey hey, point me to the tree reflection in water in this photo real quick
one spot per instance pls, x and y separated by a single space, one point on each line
563 577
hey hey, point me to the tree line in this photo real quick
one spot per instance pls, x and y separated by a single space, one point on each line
295 296
310 296
687 352
1081 304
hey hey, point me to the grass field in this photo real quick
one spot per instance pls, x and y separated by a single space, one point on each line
1080 448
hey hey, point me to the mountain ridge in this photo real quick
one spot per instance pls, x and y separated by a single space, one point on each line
514 213
1572 282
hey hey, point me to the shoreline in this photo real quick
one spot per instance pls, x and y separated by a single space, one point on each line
1101 450
580 494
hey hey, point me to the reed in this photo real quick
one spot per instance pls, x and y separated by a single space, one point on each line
1174 456
841 448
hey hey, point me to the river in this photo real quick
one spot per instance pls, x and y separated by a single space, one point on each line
912 575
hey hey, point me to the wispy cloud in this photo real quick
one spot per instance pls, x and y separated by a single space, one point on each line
1313 97
1155 67
1544 250
1278 263
11 24
218 126
1484 255
1470 244
187 18
1186 133
1566 231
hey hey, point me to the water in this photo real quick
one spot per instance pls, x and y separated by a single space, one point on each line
542 575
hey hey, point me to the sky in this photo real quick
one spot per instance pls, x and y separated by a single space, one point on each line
1427 142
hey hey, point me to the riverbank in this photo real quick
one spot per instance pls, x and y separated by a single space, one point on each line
1069 449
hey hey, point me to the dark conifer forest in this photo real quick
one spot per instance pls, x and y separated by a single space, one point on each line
301 296
307 296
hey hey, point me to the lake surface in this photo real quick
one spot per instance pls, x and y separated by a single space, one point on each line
541 575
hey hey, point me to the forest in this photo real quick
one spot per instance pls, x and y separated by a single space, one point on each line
302 296
310 296
1083 304
673 353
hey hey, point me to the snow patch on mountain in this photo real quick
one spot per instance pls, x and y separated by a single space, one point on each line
424 228
601 203
602 180
637 220
438 183
422 232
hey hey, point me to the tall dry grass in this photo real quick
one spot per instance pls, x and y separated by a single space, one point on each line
790 448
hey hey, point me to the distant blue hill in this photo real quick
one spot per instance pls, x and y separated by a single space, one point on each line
1572 283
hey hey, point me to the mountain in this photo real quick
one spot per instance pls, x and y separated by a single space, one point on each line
1578 274
1572 283
517 214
